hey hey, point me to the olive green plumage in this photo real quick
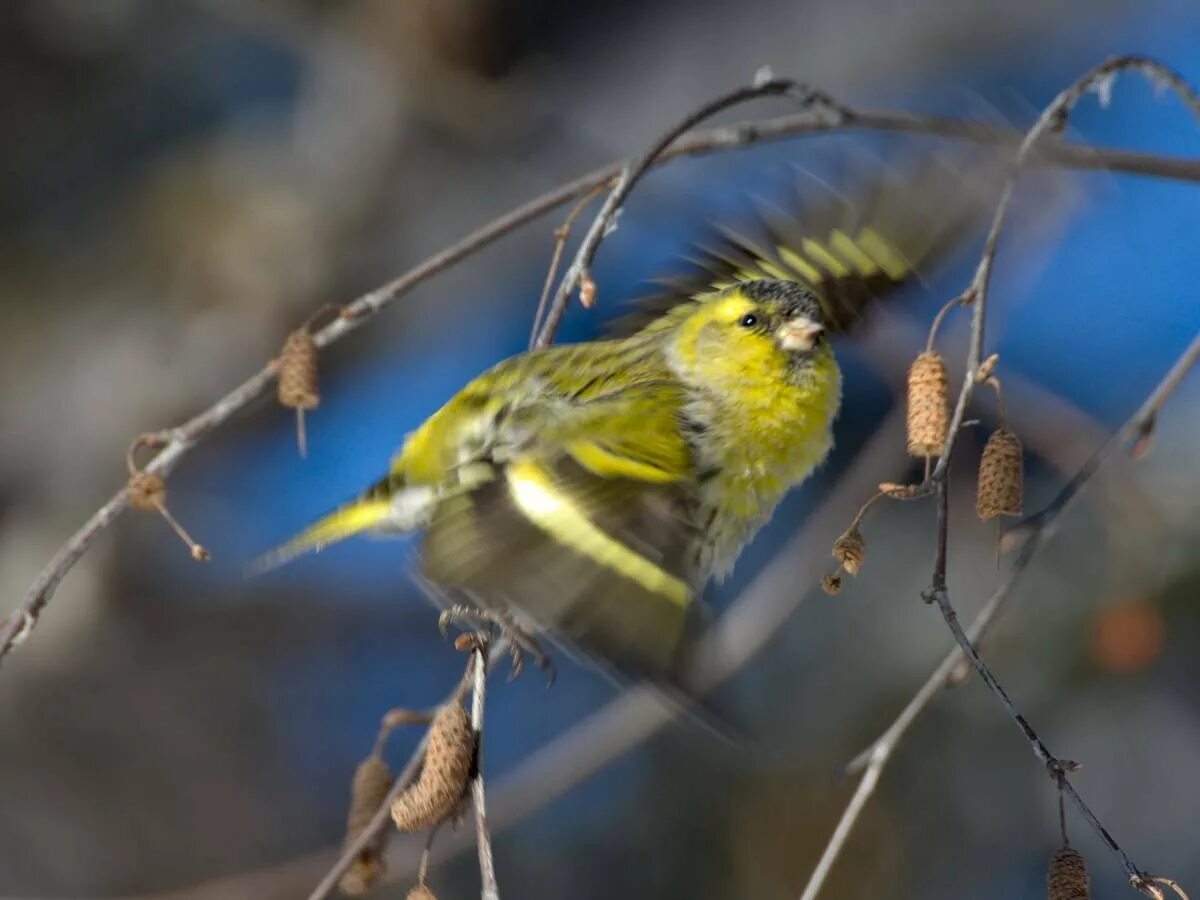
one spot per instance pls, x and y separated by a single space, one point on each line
592 490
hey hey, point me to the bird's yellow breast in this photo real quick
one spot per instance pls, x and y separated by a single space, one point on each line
766 423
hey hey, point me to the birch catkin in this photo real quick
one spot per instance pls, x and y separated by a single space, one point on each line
850 549
298 380
928 405
449 757
1067 878
372 780
1001 476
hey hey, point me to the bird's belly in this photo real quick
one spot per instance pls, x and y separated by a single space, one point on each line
747 486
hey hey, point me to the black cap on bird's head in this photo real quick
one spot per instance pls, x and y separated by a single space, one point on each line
783 294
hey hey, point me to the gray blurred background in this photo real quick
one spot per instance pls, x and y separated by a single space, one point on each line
185 182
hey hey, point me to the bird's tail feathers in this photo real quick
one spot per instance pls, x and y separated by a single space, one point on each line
354 518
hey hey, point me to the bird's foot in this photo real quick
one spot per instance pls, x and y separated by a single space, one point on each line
521 642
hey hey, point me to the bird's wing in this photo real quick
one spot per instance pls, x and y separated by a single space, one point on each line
586 532
577 405
888 227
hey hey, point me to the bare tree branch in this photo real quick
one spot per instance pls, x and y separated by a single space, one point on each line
1037 529
329 882
872 761
178 441
728 648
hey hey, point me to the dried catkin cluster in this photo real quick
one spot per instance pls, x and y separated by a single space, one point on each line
928 405
1001 476
372 780
850 549
1067 878
364 873
147 492
449 758
298 381
831 584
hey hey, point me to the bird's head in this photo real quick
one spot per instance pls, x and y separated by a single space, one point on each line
756 331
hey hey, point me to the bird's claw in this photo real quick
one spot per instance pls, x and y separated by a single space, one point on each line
520 642
458 613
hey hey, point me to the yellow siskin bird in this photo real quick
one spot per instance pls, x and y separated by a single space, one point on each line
590 491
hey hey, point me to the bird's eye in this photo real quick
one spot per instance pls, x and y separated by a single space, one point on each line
749 320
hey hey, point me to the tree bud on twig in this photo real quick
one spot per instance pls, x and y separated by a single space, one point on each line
147 492
986 368
587 292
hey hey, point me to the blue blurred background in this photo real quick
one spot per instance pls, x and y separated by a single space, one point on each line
184 183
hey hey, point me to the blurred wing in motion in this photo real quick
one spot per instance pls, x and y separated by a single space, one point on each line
591 539
850 248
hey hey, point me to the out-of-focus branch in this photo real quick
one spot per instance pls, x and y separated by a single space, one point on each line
370 835
329 882
179 440
483 651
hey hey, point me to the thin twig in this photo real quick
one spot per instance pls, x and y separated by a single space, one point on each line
474 677
1057 769
1138 424
381 820
633 171
18 625
561 235
862 793
1038 527
1053 118
937 322
487 866
1062 820
369 835
872 761
423 865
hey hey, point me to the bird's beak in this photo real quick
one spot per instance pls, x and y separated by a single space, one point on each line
799 334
